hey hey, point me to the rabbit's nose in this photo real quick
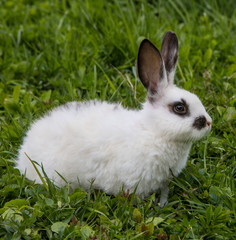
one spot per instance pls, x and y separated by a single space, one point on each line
208 123
200 122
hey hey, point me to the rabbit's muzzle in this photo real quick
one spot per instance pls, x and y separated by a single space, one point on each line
201 122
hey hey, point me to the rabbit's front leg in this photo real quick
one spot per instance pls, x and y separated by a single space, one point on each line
164 194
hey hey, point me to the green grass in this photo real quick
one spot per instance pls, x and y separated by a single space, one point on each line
56 51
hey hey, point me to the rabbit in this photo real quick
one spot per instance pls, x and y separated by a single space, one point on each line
118 148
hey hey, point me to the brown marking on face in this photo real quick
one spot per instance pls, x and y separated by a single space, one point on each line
200 122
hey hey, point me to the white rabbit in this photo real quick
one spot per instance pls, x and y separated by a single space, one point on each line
119 148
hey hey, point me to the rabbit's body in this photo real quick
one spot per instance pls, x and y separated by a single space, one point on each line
129 152
117 148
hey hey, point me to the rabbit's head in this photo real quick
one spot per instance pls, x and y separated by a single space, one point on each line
177 113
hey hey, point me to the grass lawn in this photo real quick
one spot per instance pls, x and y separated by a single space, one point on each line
55 51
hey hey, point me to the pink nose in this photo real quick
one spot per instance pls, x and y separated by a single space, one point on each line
208 123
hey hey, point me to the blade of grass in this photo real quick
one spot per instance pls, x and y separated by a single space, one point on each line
38 172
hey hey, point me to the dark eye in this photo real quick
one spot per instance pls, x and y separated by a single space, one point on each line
180 108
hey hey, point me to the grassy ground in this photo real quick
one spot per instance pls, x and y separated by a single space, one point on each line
56 51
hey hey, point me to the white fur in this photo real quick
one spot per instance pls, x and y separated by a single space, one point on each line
116 147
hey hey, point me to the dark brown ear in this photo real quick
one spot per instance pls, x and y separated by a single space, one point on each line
151 68
169 53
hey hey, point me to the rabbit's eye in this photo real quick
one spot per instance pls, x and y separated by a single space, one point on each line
180 108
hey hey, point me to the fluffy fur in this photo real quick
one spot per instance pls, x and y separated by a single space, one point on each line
117 147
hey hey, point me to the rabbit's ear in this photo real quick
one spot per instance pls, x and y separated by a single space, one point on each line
169 53
151 69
